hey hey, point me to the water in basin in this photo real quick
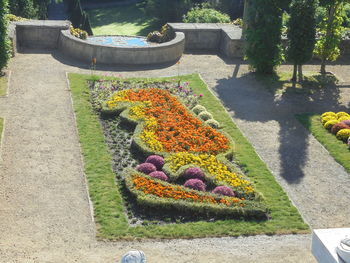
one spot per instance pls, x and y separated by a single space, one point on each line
119 41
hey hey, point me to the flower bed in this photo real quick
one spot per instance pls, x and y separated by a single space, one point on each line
338 124
166 126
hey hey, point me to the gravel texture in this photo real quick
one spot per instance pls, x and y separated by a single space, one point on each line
44 207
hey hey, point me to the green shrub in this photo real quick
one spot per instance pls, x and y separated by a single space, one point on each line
198 109
79 33
5 47
13 18
212 123
301 34
204 115
343 135
166 34
205 15
263 48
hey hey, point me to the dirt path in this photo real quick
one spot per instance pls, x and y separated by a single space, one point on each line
44 209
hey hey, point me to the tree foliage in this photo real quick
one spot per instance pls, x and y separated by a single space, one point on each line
301 33
263 34
4 41
330 32
165 11
23 8
205 15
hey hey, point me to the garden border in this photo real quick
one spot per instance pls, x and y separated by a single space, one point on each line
336 148
111 222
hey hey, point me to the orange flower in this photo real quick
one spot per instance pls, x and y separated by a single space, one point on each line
178 130
152 187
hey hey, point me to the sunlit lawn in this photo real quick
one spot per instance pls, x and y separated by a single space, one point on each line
121 20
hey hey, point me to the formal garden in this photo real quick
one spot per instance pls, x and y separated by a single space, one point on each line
162 156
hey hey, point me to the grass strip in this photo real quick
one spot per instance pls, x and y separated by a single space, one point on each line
109 212
3 85
337 149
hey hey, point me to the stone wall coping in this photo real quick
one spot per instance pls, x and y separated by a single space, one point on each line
179 36
61 24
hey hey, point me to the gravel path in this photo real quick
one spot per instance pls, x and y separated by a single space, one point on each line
44 208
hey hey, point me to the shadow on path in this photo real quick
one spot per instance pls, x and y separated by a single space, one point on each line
271 119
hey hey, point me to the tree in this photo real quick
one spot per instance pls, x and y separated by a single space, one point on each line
4 41
327 46
23 8
263 25
301 34
168 11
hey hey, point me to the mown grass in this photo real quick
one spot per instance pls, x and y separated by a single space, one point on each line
3 85
280 82
121 20
337 149
1 126
109 212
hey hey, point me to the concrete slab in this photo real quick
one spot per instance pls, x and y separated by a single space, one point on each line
324 243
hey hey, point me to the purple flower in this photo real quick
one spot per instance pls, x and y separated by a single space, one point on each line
156 160
223 190
195 184
193 173
200 95
159 175
146 168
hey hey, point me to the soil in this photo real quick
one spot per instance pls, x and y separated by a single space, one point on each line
45 210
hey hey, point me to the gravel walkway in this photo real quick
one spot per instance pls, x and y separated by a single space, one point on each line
44 208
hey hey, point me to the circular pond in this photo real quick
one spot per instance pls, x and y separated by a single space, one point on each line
119 41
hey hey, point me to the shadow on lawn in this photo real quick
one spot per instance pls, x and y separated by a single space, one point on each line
246 97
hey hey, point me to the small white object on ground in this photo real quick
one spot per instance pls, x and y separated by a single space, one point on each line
325 243
343 250
134 256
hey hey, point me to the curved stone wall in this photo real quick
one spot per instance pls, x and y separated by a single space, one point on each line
156 54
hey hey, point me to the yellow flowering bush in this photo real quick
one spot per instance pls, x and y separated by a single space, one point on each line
343 134
344 118
329 113
327 118
329 124
342 114
215 168
79 33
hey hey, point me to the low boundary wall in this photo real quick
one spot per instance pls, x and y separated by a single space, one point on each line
56 35
222 38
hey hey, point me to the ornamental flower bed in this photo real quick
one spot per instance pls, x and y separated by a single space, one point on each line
187 163
338 124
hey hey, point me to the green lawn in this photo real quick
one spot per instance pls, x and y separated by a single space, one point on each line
3 85
110 217
1 126
121 20
280 82
337 149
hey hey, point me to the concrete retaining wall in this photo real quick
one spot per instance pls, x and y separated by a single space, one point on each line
161 53
40 33
222 38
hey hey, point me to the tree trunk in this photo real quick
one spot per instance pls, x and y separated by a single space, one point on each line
245 17
331 16
294 78
300 73
323 67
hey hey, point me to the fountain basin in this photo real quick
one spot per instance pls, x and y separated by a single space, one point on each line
116 52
